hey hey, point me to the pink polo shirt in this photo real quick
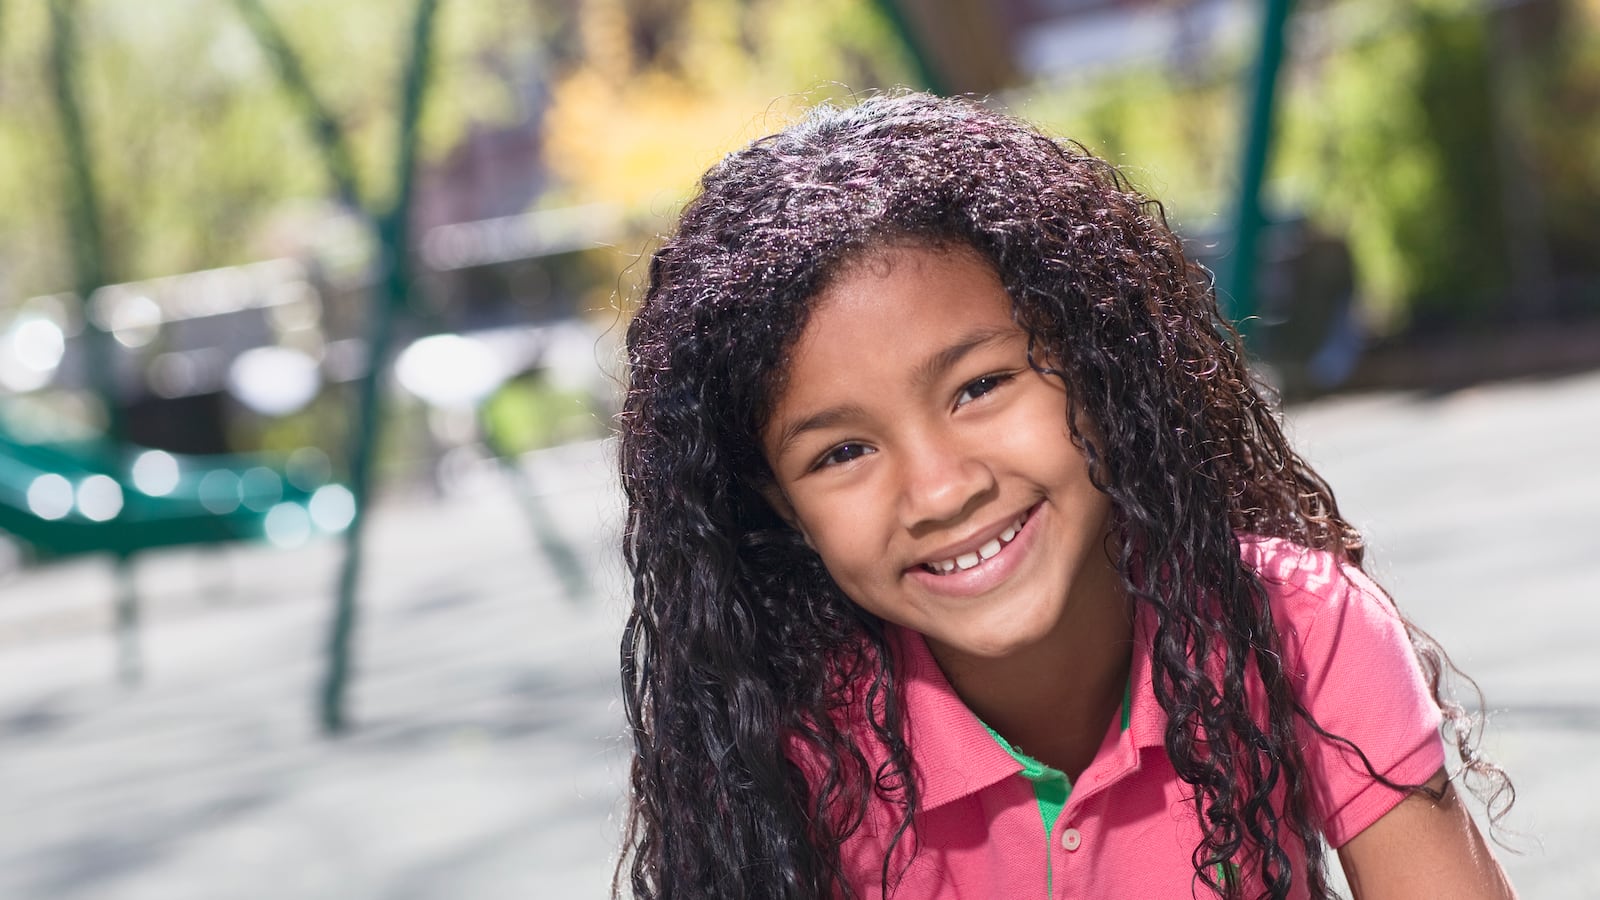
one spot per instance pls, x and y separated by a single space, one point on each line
1128 828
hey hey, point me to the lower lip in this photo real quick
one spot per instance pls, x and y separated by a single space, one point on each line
986 575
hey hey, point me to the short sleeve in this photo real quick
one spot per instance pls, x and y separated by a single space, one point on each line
1359 678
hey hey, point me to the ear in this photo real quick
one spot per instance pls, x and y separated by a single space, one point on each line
780 504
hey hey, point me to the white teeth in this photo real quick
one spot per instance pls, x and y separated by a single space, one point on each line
987 551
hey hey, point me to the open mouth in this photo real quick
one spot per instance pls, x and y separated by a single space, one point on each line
989 550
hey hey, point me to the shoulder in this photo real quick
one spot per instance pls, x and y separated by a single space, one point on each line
1309 590
1342 638
1349 656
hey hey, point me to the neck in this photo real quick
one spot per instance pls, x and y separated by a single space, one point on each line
1055 700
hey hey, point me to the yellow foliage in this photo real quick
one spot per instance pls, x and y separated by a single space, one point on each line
638 133
642 145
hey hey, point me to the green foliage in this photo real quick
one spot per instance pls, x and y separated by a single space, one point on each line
1390 131
1556 101
183 153
34 245
528 413
1398 138
197 150
1174 136
1395 122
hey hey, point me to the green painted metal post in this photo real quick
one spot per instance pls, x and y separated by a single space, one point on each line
130 662
394 241
89 275
546 533
1238 280
390 300
83 205
920 61
325 131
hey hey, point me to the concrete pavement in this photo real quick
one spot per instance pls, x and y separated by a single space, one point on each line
1480 508
487 760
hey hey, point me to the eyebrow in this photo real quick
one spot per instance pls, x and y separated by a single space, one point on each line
817 421
935 366
926 372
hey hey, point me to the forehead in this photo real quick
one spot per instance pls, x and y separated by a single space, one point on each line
883 321
920 291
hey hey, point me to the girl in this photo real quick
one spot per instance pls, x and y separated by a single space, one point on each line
969 562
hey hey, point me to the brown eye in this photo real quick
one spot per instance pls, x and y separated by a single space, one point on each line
979 387
843 454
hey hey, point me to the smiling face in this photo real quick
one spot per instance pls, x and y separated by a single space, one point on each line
931 468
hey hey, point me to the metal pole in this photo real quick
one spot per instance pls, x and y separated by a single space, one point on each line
337 156
1239 278
89 275
546 533
130 661
926 74
394 241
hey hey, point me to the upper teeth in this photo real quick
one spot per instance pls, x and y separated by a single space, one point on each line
987 551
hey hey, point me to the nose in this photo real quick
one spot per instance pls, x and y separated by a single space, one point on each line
941 480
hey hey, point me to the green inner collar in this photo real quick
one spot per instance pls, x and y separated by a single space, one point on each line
1051 788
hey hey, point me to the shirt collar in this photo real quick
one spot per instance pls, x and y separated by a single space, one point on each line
954 753
1147 721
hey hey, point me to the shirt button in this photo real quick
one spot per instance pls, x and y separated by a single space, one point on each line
1070 839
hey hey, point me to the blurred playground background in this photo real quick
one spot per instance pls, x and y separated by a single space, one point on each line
309 327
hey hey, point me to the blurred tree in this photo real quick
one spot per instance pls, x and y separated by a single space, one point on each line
1453 142
91 269
1553 100
1456 146
1405 161
195 146
185 155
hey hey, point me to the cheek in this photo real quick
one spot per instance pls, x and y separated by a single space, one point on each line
1044 443
839 553
847 551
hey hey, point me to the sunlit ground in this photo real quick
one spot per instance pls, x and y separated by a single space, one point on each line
486 761
485 758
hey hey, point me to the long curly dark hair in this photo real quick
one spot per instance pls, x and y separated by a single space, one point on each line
739 646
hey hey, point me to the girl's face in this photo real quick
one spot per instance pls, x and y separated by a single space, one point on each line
930 467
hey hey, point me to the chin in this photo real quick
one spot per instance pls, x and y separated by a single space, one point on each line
1001 645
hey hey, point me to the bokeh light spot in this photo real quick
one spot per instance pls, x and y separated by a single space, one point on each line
333 507
155 473
99 498
287 525
50 496
219 491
